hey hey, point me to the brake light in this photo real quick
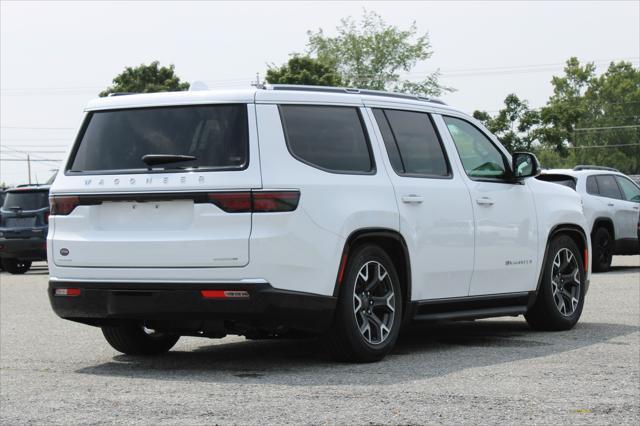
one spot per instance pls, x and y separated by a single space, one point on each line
46 218
256 202
275 201
63 205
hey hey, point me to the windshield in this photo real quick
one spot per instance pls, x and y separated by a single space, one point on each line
216 135
26 200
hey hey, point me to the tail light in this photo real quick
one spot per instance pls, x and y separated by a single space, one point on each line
224 294
256 202
67 292
46 218
63 204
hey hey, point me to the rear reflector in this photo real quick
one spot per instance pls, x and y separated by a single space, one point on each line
224 294
67 292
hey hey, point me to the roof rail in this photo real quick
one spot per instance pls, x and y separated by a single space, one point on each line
587 167
120 94
353 91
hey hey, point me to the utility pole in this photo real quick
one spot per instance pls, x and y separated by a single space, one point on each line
29 168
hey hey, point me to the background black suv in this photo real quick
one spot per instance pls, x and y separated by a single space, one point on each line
24 222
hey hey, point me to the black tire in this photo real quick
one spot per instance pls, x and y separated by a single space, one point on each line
16 266
545 314
344 340
602 242
132 339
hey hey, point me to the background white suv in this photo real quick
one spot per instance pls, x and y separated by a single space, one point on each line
337 212
611 206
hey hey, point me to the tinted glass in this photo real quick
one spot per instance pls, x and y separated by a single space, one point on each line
563 180
608 187
328 137
629 189
592 185
389 141
217 135
26 200
480 158
417 141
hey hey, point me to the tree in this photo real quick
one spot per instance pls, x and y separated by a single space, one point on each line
370 54
146 79
304 70
515 124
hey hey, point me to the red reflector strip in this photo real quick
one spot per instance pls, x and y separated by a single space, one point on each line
67 292
224 294
343 263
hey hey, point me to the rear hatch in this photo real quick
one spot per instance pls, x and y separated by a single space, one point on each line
183 205
25 212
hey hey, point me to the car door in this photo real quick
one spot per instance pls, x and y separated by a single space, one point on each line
506 242
629 207
611 197
436 218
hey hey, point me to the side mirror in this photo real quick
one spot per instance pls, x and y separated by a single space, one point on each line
524 164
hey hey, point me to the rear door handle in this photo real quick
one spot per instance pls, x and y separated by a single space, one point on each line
484 201
412 199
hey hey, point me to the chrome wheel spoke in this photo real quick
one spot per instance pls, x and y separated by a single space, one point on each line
374 303
565 282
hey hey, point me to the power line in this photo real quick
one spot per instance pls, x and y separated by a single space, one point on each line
44 160
37 128
582 129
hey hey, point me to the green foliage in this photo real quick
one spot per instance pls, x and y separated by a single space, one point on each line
585 121
304 70
146 79
371 53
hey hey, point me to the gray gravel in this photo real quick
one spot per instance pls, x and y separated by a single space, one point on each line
491 371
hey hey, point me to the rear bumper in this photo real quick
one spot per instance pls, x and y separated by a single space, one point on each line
182 306
23 248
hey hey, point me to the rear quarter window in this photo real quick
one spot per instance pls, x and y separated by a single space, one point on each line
331 138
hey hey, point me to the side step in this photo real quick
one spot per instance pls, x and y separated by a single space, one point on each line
474 307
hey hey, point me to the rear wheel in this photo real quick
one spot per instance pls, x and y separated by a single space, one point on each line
602 250
134 339
369 310
561 293
16 266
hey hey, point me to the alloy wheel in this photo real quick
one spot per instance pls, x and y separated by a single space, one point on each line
374 302
565 282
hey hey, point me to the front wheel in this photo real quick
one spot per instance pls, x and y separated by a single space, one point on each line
16 266
562 289
135 339
369 309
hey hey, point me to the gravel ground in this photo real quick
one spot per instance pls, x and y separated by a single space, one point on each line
491 371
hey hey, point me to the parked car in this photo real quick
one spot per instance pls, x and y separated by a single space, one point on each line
337 212
24 221
611 206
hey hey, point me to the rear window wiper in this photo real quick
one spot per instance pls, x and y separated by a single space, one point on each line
155 159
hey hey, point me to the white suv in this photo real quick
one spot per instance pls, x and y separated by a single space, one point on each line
611 206
300 210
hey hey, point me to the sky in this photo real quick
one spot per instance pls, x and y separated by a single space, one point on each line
56 56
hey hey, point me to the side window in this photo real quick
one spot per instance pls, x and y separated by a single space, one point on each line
479 156
592 186
630 191
331 138
608 186
412 143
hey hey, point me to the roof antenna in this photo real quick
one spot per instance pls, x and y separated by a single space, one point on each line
257 84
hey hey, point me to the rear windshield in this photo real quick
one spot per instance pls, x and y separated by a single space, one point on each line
26 200
559 179
217 135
